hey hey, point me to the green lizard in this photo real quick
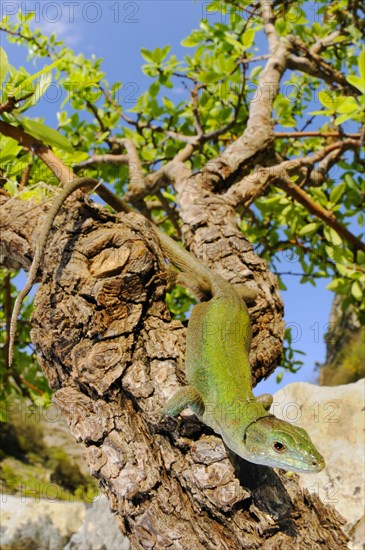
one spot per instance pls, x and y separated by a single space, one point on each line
219 376
217 360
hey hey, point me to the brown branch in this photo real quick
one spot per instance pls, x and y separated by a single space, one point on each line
325 42
314 65
310 160
315 134
25 176
8 106
94 110
63 173
7 314
317 176
196 117
136 177
30 39
109 98
254 185
96 160
200 137
297 193
216 133
258 134
170 133
31 386
12 103
19 381
172 171
245 60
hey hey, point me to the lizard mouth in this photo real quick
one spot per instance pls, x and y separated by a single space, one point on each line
311 466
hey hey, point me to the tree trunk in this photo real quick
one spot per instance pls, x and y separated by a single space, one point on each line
113 355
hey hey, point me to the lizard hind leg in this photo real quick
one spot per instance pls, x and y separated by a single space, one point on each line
194 284
184 397
247 294
265 399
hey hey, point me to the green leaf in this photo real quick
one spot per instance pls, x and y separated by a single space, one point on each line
280 25
282 285
45 70
155 56
328 99
40 89
237 45
4 65
356 81
248 38
9 151
354 115
319 195
361 257
4 417
78 156
335 284
147 55
46 134
309 228
362 65
324 113
42 85
154 89
348 106
344 270
337 192
209 77
255 72
356 291
332 236
191 41
168 104
160 53
351 183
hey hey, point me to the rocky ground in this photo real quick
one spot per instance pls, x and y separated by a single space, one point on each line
49 502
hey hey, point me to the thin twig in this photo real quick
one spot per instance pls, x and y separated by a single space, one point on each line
315 134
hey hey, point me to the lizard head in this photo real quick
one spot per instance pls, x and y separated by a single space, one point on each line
279 444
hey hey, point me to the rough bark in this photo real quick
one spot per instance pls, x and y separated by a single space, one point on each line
113 355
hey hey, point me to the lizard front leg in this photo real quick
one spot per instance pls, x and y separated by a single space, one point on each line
183 398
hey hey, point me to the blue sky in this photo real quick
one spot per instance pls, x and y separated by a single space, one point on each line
116 31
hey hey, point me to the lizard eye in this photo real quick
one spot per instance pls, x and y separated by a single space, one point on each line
279 447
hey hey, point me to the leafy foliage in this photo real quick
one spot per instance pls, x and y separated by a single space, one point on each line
219 75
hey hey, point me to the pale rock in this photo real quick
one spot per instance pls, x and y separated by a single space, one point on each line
334 418
99 531
35 523
27 524
357 534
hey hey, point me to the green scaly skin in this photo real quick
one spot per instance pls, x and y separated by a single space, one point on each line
220 392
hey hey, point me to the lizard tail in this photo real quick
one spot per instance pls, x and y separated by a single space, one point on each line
211 284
